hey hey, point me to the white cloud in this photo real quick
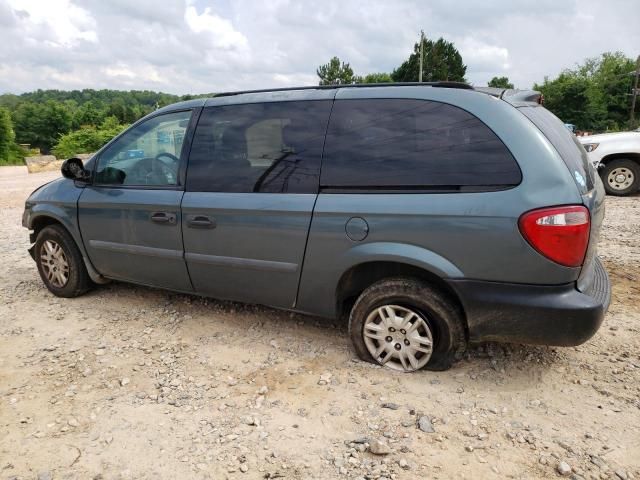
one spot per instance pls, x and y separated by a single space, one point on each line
220 30
55 22
197 46
482 59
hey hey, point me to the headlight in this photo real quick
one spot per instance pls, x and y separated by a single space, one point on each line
590 147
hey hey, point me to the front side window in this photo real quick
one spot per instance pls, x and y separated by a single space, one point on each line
263 147
147 154
402 143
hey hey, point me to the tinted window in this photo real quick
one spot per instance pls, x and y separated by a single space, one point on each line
412 143
264 147
147 154
566 144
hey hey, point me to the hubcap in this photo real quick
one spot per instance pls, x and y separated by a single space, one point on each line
398 337
54 263
620 178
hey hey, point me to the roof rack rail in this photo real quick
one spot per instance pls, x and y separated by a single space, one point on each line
443 84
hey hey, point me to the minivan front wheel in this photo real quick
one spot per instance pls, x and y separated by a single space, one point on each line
406 325
60 263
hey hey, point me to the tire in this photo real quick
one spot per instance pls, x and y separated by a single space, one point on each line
54 247
621 177
429 313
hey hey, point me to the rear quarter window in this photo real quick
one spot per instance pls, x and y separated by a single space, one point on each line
573 154
395 144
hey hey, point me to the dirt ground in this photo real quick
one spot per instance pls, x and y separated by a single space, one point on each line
131 382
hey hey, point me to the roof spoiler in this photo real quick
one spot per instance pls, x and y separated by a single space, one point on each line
514 96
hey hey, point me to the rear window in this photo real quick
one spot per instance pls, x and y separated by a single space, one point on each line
417 144
573 154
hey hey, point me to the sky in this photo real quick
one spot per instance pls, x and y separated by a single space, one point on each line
202 46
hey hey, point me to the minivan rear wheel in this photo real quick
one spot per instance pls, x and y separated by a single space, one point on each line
60 263
621 177
406 325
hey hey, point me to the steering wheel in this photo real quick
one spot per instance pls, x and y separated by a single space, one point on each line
172 157
153 171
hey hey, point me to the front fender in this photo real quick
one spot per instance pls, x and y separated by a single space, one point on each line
67 219
65 215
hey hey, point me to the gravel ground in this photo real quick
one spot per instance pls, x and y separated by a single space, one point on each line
131 382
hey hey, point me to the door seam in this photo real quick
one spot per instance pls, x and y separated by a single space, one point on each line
315 201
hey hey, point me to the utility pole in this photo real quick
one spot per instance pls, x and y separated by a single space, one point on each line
421 47
632 117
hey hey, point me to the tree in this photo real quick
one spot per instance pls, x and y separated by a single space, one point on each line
40 117
500 82
90 113
10 152
441 62
87 139
335 73
7 137
40 125
374 78
594 95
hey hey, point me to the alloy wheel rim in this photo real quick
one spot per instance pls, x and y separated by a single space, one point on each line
620 178
398 337
54 263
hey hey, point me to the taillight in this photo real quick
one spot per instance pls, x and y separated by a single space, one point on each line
559 233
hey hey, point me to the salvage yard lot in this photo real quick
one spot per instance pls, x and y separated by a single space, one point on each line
131 382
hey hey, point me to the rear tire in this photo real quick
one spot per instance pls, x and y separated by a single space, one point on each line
621 177
60 263
400 317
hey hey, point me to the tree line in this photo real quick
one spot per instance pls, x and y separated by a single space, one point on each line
593 95
441 60
70 122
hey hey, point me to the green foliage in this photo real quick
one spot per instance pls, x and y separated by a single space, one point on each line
500 82
41 117
335 73
10 152
441 61
41 125
374 78
87 139
7 137
594 95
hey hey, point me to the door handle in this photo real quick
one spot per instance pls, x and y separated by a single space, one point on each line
163 217
200 221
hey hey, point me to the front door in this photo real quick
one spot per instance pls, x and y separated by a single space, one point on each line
130 217
252 182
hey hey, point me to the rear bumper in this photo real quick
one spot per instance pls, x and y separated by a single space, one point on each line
534 314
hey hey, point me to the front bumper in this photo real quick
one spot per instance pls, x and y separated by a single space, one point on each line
534 314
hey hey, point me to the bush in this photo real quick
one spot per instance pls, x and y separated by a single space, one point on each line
87 139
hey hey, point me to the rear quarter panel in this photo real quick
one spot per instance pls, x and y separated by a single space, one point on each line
453 235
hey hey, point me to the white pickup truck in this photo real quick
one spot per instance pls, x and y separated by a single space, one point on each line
616 156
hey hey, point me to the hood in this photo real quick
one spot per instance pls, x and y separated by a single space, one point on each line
51 190
603 137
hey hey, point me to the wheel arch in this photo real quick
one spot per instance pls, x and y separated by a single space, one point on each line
360 276
44 218
635 157
41 221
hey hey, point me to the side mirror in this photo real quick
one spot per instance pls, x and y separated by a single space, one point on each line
73 169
